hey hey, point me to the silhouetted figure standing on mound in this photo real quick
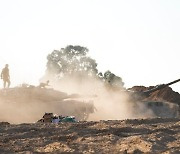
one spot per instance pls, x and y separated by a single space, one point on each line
5 75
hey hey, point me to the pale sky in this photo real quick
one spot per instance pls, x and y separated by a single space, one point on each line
137 40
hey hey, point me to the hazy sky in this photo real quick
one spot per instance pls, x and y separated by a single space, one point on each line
138 40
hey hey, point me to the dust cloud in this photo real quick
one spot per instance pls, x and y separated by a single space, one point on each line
20 112
28 104
109 104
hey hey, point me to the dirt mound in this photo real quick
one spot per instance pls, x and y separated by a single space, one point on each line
126 136
165 94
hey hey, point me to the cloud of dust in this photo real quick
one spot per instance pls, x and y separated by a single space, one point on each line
26 105
23 111
110 104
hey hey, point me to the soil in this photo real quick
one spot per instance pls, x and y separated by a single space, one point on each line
125 136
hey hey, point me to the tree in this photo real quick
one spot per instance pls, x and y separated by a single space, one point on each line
72 60
112 80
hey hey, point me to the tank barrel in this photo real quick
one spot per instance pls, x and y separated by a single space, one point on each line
143 94
168 84
161 86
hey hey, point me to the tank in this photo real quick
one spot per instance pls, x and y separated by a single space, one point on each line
157 108
138 95
32 102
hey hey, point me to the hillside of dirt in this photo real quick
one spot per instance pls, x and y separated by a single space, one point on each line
125 136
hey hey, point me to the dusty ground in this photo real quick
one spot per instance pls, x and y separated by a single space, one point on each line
127 136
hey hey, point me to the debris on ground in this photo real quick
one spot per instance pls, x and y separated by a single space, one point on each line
54 118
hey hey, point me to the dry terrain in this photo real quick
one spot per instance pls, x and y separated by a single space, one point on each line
126 136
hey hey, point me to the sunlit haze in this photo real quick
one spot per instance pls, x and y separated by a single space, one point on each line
136 40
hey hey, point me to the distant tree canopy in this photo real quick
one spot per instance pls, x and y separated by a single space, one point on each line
111 79
73 60
70 61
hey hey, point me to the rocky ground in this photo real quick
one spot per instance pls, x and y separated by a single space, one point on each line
126 136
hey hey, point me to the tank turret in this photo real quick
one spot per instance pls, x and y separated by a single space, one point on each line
139 95
142 103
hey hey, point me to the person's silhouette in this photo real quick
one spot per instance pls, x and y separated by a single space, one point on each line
5 76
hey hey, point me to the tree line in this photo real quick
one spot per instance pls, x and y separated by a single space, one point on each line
74 61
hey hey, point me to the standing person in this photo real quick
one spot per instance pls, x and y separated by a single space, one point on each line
5 75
